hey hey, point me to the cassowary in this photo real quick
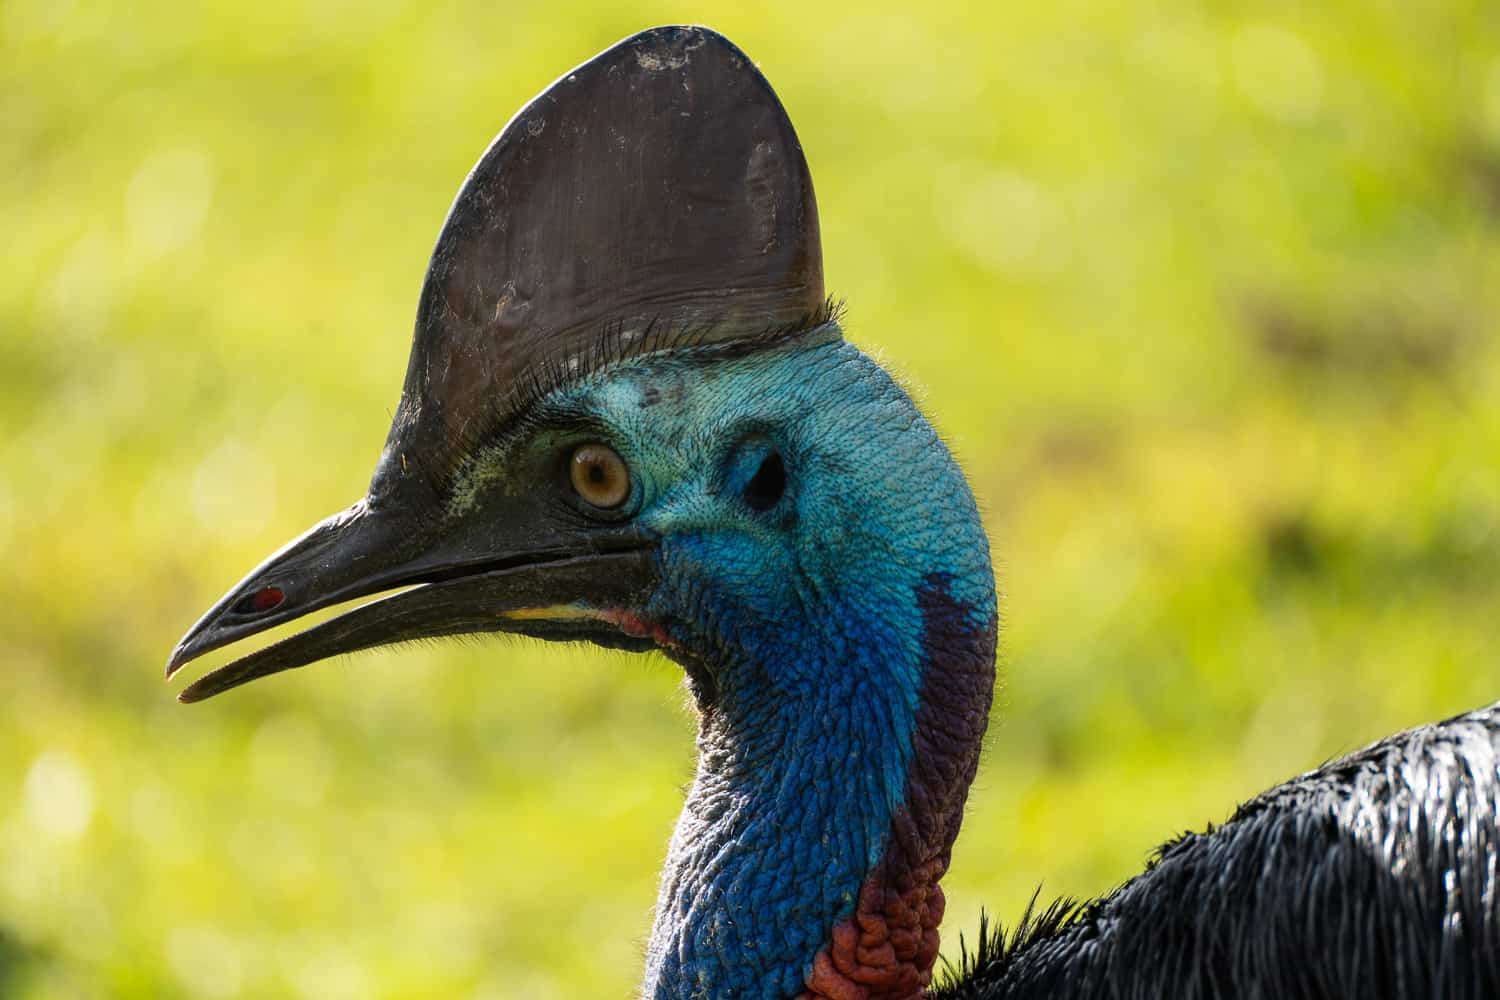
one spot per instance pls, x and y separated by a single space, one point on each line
630 417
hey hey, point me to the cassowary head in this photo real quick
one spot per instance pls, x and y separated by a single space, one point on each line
631 417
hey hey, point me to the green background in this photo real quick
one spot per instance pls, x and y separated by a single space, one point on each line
1204 296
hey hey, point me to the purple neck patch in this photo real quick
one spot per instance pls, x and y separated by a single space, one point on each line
887 948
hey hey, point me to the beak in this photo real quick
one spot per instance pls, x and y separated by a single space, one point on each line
563 585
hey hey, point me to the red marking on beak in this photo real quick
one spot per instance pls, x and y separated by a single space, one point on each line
265 599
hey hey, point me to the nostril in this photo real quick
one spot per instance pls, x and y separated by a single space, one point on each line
263 600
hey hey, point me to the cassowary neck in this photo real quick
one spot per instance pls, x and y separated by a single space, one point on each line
842 735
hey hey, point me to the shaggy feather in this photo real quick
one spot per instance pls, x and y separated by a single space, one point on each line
1372 876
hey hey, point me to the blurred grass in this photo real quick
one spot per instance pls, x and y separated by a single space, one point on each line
1204 295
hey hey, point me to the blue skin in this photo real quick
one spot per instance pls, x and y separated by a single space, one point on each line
800 628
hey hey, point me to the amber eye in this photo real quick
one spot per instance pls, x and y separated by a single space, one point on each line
599 475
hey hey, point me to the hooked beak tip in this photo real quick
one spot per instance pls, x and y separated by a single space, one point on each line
177 660
193 645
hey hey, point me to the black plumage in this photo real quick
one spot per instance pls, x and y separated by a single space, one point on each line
1372 876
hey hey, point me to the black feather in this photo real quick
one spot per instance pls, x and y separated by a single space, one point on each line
1373 876
986 966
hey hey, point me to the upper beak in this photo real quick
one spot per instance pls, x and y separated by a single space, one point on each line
560 586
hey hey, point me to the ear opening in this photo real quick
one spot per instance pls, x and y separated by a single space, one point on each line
766 488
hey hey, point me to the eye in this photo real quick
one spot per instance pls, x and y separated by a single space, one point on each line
599 475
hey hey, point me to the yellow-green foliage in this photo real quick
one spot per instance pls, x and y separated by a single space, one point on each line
1204 295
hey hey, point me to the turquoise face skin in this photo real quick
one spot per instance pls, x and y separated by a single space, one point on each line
793 602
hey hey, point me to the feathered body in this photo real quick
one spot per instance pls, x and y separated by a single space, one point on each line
1373 876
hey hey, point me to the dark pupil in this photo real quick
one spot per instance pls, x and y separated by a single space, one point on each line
768 484
597 475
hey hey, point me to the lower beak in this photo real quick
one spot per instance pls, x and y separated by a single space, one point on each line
565 589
